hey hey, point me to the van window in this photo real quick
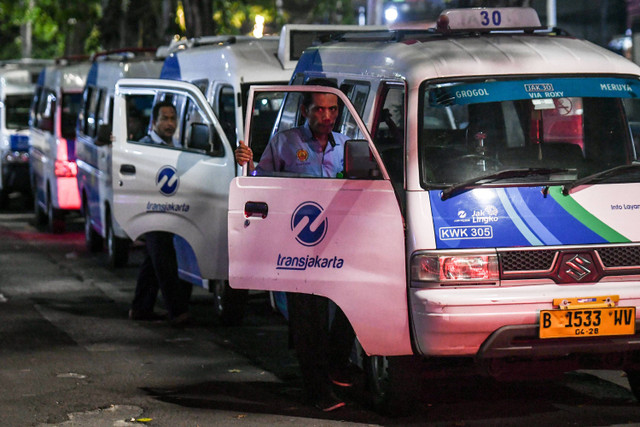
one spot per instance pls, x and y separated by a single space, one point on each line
578 126
93 98
139 108
388 130
45 111
71 105
357 92
193 120
292 151
103 105
226 111
17 111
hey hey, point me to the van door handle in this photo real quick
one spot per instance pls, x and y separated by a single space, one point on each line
127 169
260 209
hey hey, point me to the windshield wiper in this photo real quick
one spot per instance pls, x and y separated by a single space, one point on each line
496 176
608 173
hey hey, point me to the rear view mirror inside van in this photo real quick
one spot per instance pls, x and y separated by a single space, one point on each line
358 161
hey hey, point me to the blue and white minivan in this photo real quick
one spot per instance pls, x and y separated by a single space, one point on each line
17 84
54 112
486 215
488 210
93 144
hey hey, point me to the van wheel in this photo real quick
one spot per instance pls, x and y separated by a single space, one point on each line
117 247
40 217
229 304
92 239
393 384
634 381
55 218
4 199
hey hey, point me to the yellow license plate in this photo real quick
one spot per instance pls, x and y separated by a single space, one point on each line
587 322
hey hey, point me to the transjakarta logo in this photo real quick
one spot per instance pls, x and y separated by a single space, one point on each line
309 229
304 223
167 181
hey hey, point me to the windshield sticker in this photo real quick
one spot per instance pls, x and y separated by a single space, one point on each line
495 91
506 217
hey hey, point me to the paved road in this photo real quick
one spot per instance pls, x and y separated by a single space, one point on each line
69 356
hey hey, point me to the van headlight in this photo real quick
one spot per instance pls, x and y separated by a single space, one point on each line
429 269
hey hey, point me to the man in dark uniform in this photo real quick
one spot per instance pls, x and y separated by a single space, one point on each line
323 344
159 270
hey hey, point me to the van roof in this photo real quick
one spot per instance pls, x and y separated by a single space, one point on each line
421 55
266 59
108 67
250 59
67 77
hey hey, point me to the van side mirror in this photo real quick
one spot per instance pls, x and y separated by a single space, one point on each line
200 139
104 135
358 161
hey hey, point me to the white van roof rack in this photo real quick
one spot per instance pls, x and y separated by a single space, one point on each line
125 54
220 40
295 38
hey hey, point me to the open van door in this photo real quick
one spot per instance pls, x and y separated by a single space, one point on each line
339 237
183 188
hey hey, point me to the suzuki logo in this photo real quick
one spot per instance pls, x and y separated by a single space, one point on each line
578 267
308 224
167 181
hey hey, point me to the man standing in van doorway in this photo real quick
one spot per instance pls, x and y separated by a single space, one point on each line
323 345
159 270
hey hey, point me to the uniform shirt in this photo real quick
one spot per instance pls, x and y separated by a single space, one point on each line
154 138
297 151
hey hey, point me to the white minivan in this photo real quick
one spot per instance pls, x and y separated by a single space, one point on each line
17 84
486 215
93 144
488 210
54 111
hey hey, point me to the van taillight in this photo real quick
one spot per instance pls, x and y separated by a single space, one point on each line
65 168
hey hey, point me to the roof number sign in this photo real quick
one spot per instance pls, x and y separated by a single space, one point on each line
485 19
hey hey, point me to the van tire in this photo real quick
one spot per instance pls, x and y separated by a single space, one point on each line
39 215
633 376
229 304
55 218
117 247
4 199
92 238
393 384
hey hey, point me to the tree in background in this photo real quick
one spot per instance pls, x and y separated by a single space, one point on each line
55 31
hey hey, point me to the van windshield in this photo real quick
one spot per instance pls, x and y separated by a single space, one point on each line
17 111
572 127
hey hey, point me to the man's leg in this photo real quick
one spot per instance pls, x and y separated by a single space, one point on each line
308 320
146 292
163 257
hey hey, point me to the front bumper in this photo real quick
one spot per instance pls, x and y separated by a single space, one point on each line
503 321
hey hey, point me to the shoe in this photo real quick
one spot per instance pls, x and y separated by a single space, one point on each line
180 321
147 316
329 403
342 377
